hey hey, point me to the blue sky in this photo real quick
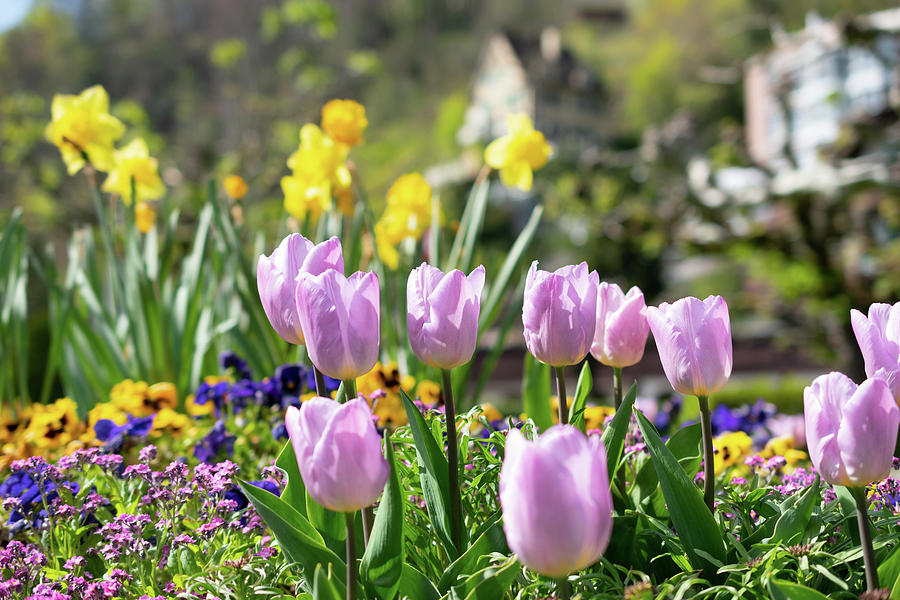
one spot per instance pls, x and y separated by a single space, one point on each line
12 11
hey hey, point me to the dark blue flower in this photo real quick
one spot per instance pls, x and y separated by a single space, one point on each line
214 443
279 432
235 493
290 379
115 436
230 360
331 385
214 393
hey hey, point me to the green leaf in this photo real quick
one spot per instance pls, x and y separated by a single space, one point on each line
792 523
492 540
614 435
697 528
536 392
294 491
685 446
585 383
332 525
434 474
787 590
889 570
324 586
416 586
297 537
490 583
382 563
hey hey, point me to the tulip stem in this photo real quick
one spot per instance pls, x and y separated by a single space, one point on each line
351 555
865 537
368 518
564 589
452 462
320 383
349 389
561 396
709 473
617 386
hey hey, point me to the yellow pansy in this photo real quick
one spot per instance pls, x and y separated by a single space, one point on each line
407 214
554 406
144 216
429 393
198 410
82 124
519 153
318 168
106 410
171 422
384 377
11 424
784 446
235 187
731 448
388 407
345 121
161 396
134 162
128 395
490 412
595 416
53 425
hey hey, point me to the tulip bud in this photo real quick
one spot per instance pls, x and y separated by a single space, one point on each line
878 336
557 507
276 279
560 313
340 318
338 451
694 341
850 430
442 314
622 328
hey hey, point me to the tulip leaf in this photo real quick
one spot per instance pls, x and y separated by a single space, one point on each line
294 491
324 586
332 525
788 590
434 474
489 583
536 392
299 540
697 528
582 389
889 570
685 446
614 435
415 585
492 540
382 563
793 521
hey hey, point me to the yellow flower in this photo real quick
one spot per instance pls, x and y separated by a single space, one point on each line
345 121
730 449
784 446
53 425
429 393
388 407
171 422
319 169
161 396
106 410
554 406
384 377
407 214
490 412
595 416
128 396
134 162
82 123
519 153
235 187
11 425
144 217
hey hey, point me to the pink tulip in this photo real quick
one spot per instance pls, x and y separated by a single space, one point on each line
850 430
560 313
622 327
338 451
276 279
878 336
442 314
694 342
340 318
557 507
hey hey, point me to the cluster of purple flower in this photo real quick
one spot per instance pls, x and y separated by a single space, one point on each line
752 419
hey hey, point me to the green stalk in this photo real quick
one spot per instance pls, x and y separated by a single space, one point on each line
563 588
368 519
349 389
561 395
320 383
351 556
617 386
452 462
709 478
865 537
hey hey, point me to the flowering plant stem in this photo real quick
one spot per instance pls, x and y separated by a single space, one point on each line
452 462
351 555
865 537
709 474
562 586
349 390
320 383
561 395
617 386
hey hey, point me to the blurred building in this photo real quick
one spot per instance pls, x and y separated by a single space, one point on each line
822 104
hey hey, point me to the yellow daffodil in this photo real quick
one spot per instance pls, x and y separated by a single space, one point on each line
82 125
731 448
345 121
134 162
144 216
53 425
319 169
519 153
407 215
235 187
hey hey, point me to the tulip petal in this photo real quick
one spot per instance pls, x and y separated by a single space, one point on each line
867 433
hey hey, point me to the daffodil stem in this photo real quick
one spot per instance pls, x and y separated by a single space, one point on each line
351 556
617 386
563 588
452 462
709 473
865 537
320 383
561 395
